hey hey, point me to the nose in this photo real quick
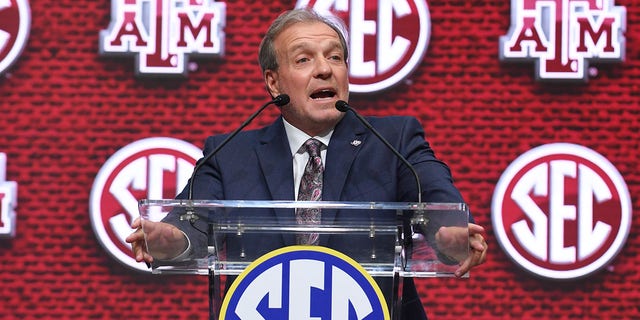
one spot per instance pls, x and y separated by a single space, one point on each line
322 68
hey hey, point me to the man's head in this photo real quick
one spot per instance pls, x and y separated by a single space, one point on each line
304 55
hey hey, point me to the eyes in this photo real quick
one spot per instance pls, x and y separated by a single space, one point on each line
306 58
336 57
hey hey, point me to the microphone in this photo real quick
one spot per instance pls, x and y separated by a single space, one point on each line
343 106
279 101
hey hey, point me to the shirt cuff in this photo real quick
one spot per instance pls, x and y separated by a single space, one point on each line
186 253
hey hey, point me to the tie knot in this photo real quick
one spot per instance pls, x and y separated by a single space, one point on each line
313 147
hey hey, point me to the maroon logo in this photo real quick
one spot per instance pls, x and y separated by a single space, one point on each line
152 168
163 33
561 211
387 39
15 21
562 36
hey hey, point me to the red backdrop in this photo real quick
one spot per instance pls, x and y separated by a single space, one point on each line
65 110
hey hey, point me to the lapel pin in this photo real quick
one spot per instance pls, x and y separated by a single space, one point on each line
356 143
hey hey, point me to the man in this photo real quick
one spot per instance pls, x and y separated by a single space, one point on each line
304 55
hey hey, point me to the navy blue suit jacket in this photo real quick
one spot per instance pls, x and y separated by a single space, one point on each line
257 165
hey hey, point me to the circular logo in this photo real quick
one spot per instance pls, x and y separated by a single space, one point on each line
15 21
304 282
152 168
561 211
387 39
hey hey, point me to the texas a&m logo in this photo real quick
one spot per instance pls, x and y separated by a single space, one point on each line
562 36
387 39
561 211
8 201
15 21
163 33
304 282
152 168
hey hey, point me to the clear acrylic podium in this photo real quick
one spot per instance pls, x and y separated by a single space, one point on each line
387 239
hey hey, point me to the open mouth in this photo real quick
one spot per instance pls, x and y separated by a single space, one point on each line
323 94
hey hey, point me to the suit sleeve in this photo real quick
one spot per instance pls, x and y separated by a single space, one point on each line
435 179
207 185
435 176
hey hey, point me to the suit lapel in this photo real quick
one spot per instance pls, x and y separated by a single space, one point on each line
346 141
274 156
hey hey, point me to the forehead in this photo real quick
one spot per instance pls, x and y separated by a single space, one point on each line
299 32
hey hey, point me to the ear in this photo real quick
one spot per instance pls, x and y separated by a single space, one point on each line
271 81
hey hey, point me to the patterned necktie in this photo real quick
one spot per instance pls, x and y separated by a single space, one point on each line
310 190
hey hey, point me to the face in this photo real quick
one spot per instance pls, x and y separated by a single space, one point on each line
313 72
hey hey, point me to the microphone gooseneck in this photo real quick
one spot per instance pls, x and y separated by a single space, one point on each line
279 101
343 106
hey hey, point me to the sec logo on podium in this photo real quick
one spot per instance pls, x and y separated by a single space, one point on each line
304 282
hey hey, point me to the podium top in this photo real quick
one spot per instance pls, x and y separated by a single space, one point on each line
283 204
386 238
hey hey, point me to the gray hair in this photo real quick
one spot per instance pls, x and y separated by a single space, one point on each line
267 52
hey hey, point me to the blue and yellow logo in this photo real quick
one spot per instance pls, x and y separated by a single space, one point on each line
304 282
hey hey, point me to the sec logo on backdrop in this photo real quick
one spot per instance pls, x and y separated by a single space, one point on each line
561 211
15 21
387 38
152 168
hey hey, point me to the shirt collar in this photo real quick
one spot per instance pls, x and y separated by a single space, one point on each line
297 137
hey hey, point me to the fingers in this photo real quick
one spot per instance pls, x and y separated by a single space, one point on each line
147 258
137 223
475 258
475 229
477 242
478 250
136 236
137 241
140 252
480 254
464 268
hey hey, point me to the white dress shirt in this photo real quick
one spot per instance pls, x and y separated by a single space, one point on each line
297 138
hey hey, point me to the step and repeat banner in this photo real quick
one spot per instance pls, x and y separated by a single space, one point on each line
534 105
